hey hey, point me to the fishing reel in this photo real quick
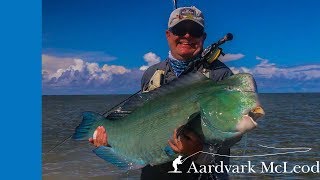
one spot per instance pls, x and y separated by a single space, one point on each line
212 52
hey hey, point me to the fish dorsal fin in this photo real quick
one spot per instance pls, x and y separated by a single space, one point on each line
139 100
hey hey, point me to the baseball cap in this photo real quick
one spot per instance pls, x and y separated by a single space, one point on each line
186 13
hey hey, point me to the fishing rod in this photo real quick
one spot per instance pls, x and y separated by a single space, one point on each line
175 6
209 54
59 144
213 51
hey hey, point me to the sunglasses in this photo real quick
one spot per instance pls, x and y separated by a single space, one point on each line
182 31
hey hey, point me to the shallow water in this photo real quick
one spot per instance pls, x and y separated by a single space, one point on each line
292 120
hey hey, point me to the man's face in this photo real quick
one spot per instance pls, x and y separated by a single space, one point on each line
185 40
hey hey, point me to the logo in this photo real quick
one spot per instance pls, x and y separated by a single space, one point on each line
175 165
247 168
187 13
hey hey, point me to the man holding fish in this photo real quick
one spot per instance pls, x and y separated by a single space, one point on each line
185 36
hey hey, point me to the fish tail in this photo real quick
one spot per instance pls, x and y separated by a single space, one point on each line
86 128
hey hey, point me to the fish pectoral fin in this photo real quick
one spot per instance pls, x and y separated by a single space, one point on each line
108 154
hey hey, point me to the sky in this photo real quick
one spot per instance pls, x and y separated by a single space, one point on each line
103 47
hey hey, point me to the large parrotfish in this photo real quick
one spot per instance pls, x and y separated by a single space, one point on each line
138 131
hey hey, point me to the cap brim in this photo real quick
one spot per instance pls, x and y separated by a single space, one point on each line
184 20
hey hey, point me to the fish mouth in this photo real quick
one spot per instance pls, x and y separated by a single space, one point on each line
256 113
249 121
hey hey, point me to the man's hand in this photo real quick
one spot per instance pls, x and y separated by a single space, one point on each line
186 143
100 137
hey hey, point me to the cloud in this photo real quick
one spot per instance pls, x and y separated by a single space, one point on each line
64 75
76 76
151 58
82 72
270 70
240 70
231 57
272 78
51 64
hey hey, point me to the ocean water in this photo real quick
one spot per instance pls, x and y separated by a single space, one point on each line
291 120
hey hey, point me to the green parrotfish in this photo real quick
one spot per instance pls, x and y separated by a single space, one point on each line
139 130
